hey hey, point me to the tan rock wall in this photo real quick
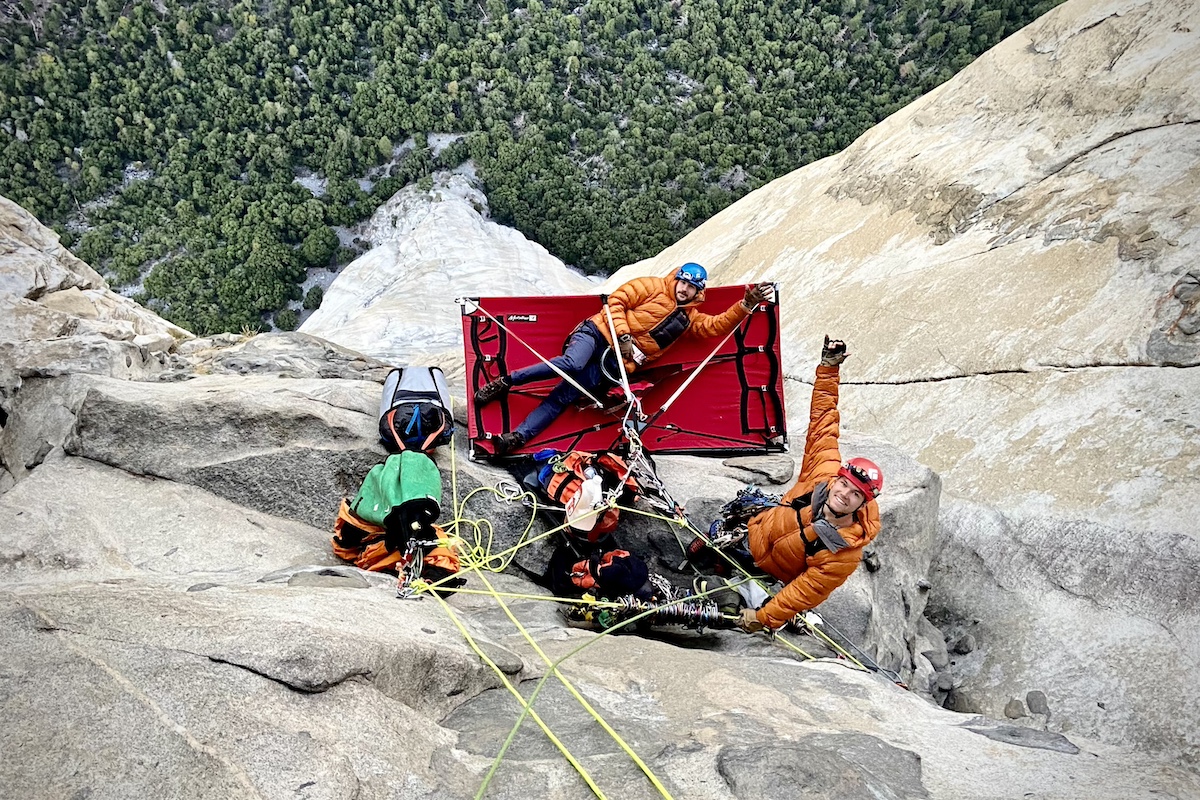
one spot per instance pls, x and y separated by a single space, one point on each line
1013 261
1036 215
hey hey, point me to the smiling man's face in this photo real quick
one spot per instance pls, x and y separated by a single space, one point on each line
844 497
685 292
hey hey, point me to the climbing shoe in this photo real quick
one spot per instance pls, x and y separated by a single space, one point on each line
492 390
507 442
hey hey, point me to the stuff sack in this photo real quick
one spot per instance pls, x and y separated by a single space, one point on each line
403 496
577 483
365 546
604 573
389 524
414 412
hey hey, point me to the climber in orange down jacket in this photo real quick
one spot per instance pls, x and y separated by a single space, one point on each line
813 559
649 314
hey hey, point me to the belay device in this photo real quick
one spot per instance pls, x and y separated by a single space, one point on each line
414 413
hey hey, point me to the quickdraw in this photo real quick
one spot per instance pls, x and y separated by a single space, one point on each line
408 570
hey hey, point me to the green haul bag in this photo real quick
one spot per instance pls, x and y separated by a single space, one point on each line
403 495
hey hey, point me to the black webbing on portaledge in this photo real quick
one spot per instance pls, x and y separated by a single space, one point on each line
484 330
767 349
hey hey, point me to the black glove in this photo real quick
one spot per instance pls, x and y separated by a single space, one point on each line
756 294
833 353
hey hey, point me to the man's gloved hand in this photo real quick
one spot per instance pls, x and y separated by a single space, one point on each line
625 344
833 353
756 294
748 621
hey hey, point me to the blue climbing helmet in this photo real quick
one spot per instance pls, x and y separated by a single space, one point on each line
694 274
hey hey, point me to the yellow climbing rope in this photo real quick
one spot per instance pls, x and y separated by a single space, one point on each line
527 708
553 668
479 559
476 557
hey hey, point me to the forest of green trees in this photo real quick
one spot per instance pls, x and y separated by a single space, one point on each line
166 135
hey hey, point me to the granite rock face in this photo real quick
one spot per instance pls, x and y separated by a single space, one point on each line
35 262
397 301
161 636
172 616
1012 259
58 316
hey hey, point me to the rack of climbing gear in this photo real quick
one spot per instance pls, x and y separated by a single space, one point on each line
694 613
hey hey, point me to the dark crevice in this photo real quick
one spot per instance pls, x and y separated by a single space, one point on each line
302 396
991 247
119 467
986 373
1112 62
44 623
303 687
1107 141
1054 170
1098 23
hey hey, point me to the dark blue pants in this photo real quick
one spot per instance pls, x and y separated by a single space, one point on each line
581 359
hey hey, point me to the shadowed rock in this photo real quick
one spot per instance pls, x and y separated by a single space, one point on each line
850 766
1022 737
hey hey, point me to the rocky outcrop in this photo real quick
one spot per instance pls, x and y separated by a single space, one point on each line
1012 259
1048 604
279 354
293 448
58 316
169 591
35 262
149 622
397 301
172 616
129 527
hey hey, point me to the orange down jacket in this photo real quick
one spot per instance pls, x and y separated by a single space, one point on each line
645 308
777 540
364 545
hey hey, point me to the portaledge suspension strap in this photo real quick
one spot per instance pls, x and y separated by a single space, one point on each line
469 306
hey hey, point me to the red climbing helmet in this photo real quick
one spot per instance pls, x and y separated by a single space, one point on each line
865 474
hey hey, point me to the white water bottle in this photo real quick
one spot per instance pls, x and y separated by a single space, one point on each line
581 508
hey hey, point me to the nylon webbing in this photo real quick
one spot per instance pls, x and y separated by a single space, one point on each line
463 301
